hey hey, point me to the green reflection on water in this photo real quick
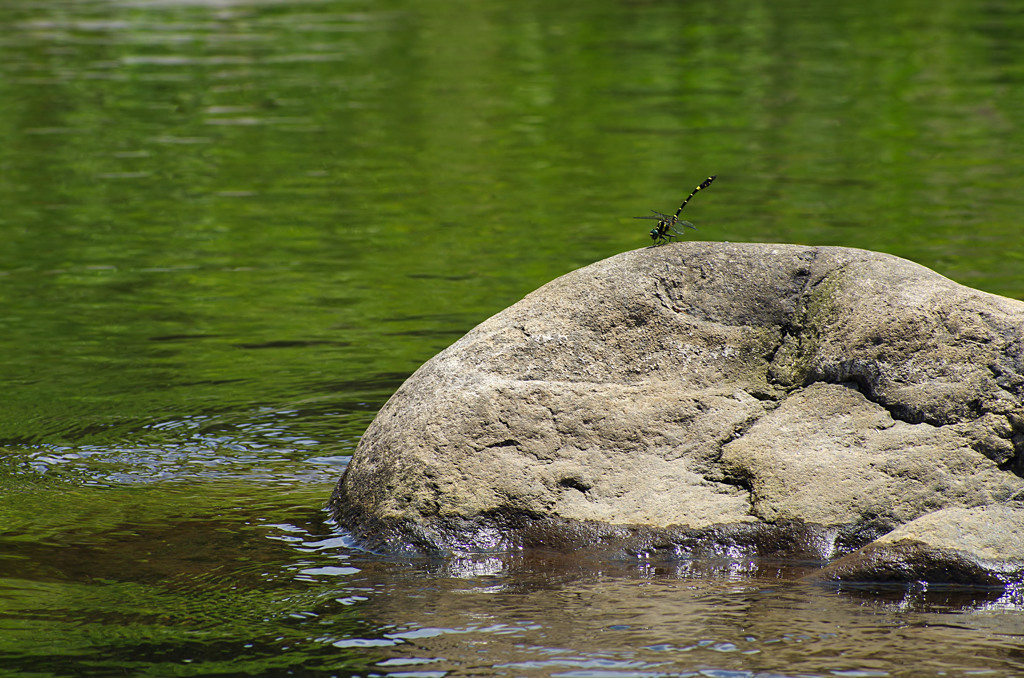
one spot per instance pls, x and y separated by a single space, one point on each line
185 580
230 230
352 190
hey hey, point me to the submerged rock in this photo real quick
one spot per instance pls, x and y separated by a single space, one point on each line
973 546
703 398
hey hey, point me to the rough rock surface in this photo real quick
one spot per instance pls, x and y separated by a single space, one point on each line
977 546
703 398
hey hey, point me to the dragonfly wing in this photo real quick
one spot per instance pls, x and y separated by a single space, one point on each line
683 223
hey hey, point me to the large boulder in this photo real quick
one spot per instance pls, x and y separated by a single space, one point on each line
703 398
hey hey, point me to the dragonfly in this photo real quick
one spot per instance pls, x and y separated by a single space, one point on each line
665 230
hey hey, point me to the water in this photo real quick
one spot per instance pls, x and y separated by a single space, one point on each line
231 229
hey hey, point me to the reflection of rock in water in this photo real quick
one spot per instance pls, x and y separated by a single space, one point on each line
555 613
703 400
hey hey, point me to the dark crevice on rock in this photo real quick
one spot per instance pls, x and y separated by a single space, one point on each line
742 480
764 397
509 442
859 377
573 483
1016 464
